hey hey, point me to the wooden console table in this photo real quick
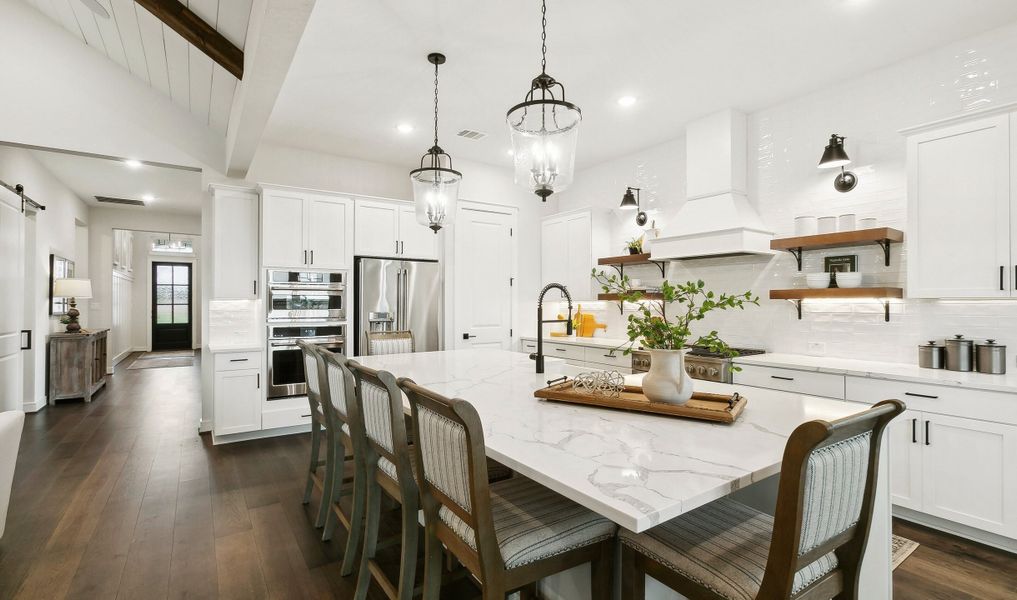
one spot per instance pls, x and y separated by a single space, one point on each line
77 364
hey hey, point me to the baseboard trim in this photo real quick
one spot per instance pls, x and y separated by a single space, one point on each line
964 531
261 434
31 407
204 425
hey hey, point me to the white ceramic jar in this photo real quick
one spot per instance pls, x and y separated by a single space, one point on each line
846 222
806 225
827 224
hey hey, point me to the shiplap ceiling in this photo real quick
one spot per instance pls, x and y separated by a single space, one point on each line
159 56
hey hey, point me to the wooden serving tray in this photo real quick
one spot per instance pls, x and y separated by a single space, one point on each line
719 408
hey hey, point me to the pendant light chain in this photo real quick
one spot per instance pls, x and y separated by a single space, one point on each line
543 36
436 105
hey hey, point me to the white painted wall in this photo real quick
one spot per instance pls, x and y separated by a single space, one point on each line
102 222
784 145
55 232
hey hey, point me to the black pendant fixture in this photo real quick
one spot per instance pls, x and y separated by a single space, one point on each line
630 201
544 129
435 183
834 156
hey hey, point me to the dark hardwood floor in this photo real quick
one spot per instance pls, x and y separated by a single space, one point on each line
121 498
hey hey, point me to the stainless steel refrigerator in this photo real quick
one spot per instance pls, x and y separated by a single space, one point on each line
398 295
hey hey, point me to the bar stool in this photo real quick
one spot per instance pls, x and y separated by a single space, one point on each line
318 424
389 342
378 429
509 534
338 384
812 548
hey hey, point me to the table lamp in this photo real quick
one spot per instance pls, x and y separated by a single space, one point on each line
73 289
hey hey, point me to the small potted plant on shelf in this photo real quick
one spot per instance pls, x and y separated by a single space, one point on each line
635 245
663 326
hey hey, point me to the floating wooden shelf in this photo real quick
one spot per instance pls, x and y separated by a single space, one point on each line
884 236
617 297
883 294
631 260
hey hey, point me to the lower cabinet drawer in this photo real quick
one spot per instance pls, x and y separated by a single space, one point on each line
528 346
272 418
608 357
998 407
811 383
566 351
234 361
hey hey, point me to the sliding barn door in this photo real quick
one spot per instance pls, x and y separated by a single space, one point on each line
12 282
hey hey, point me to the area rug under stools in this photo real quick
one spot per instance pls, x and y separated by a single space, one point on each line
902 548
159 360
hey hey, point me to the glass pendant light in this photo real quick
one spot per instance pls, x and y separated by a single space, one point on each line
544 129
435 183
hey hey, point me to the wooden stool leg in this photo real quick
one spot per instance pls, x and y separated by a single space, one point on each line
433 564
370 535
327 483
360 483
633 580
602 572
315 443
408 558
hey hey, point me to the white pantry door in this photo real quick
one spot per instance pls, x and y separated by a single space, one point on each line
483 278
12 239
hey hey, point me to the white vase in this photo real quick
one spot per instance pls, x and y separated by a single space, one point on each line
666 381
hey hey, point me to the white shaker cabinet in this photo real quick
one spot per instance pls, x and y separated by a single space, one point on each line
235 243
906 433
390 229
570 244
960 215
306 229
237 392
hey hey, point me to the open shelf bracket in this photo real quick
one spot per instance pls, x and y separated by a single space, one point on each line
797 253
798 307
659 264
885 245
886 309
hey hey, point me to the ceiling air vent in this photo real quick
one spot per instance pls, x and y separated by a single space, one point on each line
127 201
471 135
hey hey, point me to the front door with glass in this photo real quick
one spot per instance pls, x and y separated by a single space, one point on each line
171 306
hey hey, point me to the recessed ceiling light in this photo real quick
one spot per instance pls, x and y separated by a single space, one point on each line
626 101
96 7
148 197
134 164
511 152
404 128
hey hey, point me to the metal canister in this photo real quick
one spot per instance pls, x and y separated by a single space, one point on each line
931 356
959 354
991 357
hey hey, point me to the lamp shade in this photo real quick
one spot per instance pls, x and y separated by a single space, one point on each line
629 201
72 288
436 195
834 155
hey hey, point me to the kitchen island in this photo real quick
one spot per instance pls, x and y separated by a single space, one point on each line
638 470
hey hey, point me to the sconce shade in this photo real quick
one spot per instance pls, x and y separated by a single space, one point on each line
72 288
834 155
629 201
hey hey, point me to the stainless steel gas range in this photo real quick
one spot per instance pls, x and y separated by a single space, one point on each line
700 363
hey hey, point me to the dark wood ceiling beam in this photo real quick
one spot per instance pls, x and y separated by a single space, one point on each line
203 36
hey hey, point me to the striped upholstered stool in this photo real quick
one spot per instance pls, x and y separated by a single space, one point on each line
389 342
811 549
508 534
311 354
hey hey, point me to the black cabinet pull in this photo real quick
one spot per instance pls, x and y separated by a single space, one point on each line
559 349
312 257
1001 267
1015 277
255 287
305 257
782 378
259 380
467 336
921 395
927 441
609 355
914 431
239 360
26 334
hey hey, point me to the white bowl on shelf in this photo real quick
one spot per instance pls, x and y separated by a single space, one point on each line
817 280
849 280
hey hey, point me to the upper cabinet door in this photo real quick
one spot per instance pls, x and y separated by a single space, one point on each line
969 473
329 232
283 229
959 217
553 253
235 256
415 240
377 228
579 232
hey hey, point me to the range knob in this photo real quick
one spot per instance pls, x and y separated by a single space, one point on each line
690 369
712 371
700 370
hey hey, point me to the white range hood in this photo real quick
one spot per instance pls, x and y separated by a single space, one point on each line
717 219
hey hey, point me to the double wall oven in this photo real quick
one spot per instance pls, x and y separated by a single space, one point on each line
302 305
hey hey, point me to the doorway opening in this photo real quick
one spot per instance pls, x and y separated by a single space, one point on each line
172 306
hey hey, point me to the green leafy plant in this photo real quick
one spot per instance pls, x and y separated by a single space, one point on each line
635 244
666 323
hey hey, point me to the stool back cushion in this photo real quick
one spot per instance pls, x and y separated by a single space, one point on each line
835 479
337 388
375 408
390 342
445 455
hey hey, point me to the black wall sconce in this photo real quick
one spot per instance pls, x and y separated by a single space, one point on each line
630 201
833 157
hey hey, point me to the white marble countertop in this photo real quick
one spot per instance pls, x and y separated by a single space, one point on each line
636 469
885 370
236 346
600 342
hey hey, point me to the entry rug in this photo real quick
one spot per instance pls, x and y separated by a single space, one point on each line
901 549
160 360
